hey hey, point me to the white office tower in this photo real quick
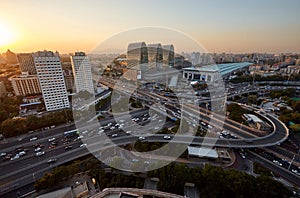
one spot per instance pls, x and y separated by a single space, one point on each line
82 72
50 75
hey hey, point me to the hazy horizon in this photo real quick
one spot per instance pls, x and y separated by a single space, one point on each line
270 26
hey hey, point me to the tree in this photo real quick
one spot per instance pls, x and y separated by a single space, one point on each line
252 99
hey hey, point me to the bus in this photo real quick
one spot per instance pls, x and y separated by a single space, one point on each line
71 133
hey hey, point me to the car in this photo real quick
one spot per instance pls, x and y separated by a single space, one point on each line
167 137
37 149
17 156
83 145
68 147
84 132
51 139
142 138
248 141
52 160
243 156
40 153
134 160
20 148
128 132
277 162
100 131
114 135
22 153
7 157
3 154
294 171
203 123
33 139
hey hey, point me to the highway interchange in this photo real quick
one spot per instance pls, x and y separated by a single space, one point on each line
19 172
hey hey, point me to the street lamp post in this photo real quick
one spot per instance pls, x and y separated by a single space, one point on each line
33 176
291 162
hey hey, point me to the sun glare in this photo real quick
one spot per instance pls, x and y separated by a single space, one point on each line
6 36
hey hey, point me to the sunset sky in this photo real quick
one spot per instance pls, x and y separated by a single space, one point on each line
219 25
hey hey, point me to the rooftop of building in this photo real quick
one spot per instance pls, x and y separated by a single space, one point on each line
46 53
202 152
224 69
254 118
80 54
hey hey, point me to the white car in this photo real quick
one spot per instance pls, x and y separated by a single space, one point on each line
142 138
22 153
101 131
37 149
114 135
128 132
51 139
40 153
17 156
52 160
167 137
83 145
3 154
33 139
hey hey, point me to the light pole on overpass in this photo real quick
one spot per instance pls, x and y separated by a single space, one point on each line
291 162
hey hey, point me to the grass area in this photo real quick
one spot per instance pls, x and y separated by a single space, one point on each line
259 169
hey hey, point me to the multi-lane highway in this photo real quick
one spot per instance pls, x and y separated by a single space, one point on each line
28 168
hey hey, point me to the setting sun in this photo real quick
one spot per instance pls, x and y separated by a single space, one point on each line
6 36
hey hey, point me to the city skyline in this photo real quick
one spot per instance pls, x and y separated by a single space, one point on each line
231 26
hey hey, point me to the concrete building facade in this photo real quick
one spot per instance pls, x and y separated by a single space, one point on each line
50 75
82 72
26 63
25 85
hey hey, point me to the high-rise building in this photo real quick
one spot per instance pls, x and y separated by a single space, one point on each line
155 55
168 55
195 58
50 75
26 63
69 80
25 84
137 56
82 72
11 57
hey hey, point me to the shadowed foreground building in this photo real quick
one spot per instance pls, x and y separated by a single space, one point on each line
26 63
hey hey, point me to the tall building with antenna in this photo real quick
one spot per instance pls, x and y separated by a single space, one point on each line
82 72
